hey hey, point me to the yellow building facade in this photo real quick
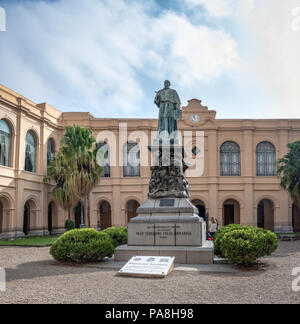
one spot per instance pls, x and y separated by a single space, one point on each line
237 182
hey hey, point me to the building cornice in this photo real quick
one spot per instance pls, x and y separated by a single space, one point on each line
59 120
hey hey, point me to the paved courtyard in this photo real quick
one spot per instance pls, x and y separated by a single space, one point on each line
34 277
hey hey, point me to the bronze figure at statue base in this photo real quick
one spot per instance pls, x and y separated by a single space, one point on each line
167 176
168 223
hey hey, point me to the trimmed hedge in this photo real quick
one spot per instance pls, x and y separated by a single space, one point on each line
117 234
69 225
245 244
82 246
219 236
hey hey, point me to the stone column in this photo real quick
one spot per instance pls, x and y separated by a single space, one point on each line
19 184
116 178
248 154
93 211
213 176
282 219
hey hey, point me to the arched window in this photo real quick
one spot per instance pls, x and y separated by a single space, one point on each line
103 158
5 143
30 152
230 159
131 159
265 160
50 150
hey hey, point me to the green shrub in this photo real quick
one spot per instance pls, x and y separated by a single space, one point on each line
219 236
245 245
81 246
69 225
117 234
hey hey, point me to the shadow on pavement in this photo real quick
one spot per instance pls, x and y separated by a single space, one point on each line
47 268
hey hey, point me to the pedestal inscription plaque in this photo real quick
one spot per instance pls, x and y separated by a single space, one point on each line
165 234
167 202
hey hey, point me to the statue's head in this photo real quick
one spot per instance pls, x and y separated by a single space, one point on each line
167 84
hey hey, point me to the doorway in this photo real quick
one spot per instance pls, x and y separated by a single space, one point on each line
26 221
296 218
50 223
131 208
105 215
201 208
78 209
265 214
228 214
231 212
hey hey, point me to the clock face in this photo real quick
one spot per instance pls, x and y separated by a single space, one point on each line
195 118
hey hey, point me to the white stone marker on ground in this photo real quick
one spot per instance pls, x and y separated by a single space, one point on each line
148 267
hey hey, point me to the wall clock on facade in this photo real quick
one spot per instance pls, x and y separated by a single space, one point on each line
195 118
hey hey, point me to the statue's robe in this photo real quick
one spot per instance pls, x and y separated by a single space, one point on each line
169 105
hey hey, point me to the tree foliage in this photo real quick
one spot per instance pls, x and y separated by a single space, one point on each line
75 169
60 171
289 171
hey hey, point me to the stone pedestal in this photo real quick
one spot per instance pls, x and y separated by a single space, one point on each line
183 254
168 223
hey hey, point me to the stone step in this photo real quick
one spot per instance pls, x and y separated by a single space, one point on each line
183 255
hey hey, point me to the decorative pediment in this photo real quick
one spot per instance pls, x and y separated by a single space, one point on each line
195 105
195 114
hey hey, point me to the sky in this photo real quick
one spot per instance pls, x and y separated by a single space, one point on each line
108 57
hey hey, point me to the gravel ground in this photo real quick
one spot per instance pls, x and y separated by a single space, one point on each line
33 277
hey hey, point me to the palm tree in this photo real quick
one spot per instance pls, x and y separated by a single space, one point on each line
79 146
75 169
60 171
289 171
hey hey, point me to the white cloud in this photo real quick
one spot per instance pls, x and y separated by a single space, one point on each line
97 51
196 53
273 61
216 8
